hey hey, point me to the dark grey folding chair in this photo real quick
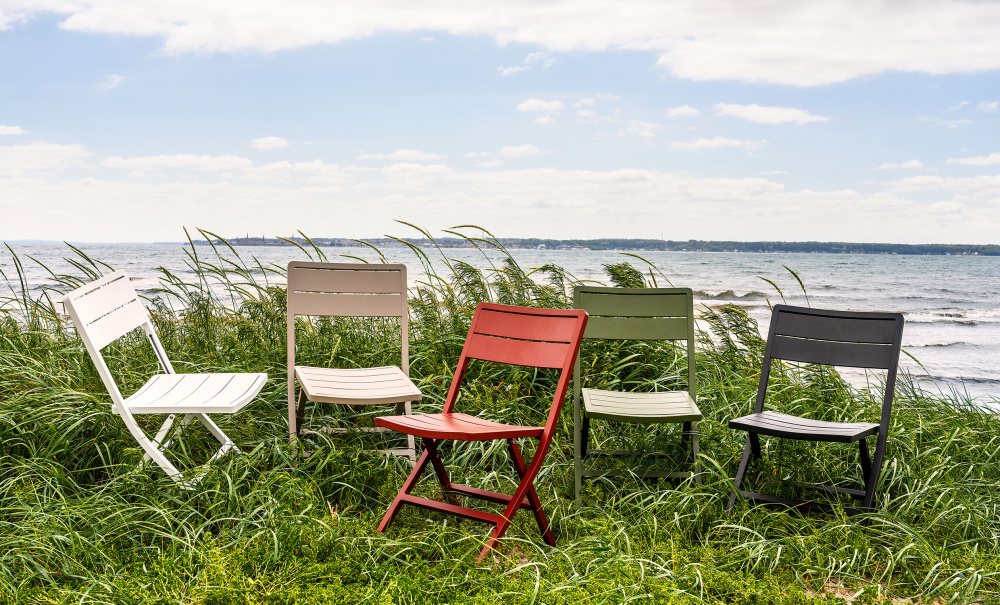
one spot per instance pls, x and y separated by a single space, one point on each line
834 338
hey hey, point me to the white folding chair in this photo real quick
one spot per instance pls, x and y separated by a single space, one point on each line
349 290
107 309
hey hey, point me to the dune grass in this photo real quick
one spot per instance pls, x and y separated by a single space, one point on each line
81 521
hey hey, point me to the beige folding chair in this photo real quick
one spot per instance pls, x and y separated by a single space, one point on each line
107 309
349 290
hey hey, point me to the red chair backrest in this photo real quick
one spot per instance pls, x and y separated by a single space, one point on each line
523 336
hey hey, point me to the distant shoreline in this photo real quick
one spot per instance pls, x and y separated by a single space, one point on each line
607 244
640 245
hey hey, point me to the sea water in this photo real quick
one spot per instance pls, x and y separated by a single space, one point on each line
951 303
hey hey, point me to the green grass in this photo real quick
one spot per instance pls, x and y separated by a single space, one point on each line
81 521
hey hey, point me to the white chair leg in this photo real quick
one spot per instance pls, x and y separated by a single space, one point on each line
227 443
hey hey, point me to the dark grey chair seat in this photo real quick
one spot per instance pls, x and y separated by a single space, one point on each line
777 424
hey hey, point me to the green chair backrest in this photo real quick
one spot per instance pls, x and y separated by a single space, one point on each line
638 314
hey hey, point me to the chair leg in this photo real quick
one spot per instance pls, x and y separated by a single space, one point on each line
577 457
514 505
694 453
866 464
755 446
739 476
430 446
536 502
411 445
408 485
585 436
872 479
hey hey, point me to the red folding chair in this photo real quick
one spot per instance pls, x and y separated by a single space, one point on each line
543 338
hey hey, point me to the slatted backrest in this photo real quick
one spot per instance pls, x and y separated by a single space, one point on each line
834 338
639 314
346 289
523 336
106 309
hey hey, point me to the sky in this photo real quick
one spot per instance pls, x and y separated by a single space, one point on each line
860 121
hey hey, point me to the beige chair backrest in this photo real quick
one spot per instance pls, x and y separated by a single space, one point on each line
347 290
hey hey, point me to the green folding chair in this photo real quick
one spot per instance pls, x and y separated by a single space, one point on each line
635 314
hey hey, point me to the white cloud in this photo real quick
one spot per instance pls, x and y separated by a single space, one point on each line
540 105
492 164
979 160
988 106
520 151
958 106
682 111
269 143
39 157
476 154
718 142
768 115
406 169
403 155
427 39
773 42
638 128
12 130
948 123
112 81
530 61
908 165
159 163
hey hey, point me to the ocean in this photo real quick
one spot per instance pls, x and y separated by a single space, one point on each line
951 303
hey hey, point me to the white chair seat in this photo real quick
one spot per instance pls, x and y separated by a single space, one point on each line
661 407
195 393
357 386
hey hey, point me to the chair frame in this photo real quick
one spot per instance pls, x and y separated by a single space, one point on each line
104 311
835 338
347 290
629 321
523 336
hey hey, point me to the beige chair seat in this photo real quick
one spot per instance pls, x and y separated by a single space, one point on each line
357 386
665 406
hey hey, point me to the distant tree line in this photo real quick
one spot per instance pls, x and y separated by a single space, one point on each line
649 244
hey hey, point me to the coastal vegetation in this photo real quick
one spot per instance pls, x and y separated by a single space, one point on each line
83 521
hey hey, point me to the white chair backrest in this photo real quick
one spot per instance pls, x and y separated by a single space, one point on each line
105 310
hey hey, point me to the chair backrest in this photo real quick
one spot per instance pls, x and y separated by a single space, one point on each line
347 290
834 338
523 336
105 310
638 314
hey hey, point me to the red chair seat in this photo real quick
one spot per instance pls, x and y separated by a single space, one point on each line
462 427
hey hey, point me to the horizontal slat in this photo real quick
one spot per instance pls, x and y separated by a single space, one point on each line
517 352
364 279
777 424
195 393
667 406
111 327
525 326
486 495
455 426
460 511
93 304
824 352
638 328
677 304
844 329
348 305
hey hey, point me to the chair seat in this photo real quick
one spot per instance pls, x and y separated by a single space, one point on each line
666 406
195 393
462 427
777 424
357 386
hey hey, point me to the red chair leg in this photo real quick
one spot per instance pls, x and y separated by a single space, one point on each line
523 488
408 486
536 502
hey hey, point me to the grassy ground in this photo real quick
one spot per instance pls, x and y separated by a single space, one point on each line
81 521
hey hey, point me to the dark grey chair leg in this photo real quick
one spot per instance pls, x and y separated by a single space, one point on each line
739 477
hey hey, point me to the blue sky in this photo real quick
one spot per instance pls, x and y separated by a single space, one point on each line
571 119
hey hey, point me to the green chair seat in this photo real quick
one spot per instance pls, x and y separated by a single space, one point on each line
662 407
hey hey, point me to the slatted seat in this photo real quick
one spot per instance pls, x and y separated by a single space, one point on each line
665 314
834 338
195 393
107 309
541 338
374 386
461 427
349 290
777 424
662 407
